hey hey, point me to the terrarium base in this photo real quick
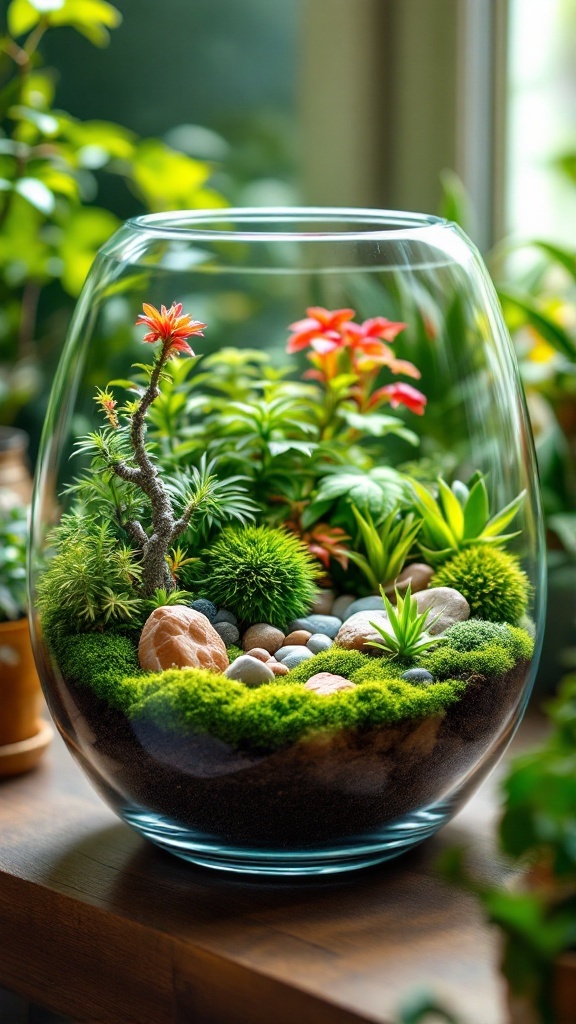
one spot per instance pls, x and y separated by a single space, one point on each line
363 851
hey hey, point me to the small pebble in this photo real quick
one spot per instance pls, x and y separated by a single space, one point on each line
341 604
278 669
229 633
365 604
224 616
263 635
418 675
327 624
319 642
298 638
206 608
283 652
260 653
298 655
326 683
249 670
323 602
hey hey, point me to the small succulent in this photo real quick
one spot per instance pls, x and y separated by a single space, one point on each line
408 637
460 517
13 533
387 546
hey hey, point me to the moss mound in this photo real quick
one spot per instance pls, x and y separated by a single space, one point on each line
492 582
379 670
274 716
491 661
476 633
101 661
261 574
335 659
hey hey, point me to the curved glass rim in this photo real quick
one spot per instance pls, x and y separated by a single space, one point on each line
382 225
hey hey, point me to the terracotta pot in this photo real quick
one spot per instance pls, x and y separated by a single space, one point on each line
564 993
15 479
23 736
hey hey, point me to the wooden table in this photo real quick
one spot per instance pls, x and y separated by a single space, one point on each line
98 924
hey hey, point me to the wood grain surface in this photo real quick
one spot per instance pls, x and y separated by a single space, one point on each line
97 924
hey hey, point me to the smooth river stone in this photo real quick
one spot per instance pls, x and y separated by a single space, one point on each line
326 683
263 635
297 639
323 602
327 624
356 631
249 670
418 575
446 605
319 642
298 655
176 636
364 604
342 604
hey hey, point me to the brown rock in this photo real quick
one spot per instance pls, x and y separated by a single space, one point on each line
326 683
446 606
263 635
417 575
277 667
299 638
260 653
179 637
323 602
355 633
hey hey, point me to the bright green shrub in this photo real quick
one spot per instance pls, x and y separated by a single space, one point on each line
336 660
101 661
276 715
475 633
491 580
259 573
448 663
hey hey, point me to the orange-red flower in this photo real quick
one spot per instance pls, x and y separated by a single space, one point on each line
322 329
170 326
401 394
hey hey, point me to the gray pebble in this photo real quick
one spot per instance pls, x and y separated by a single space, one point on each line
326 624
249 670
205 607
418 675
341 604
365 604
319 642
294 659
224 616
228 631
283 652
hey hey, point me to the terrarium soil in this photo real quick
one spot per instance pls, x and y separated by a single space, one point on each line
322 788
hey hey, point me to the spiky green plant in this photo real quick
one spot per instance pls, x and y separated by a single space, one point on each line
387 546
259 573
92 578
162 598
408 637
460 517
491 580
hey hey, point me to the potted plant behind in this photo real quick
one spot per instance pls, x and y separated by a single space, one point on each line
23 734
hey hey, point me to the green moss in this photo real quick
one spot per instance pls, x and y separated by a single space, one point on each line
448 663
260 573
277 715
378 670
475 633
234 652
492 582
101 661
336 659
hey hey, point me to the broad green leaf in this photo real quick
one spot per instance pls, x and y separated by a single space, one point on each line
315 511
92 18
476 510
45 123
433 521
36 193
281 447
364 565
378 425
22 17
565 257
452 509
84 233
167 180
372 543
505 516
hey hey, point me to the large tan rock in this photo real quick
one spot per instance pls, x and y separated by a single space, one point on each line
326 683
356 631
180 637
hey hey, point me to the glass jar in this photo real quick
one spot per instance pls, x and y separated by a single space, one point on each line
290 615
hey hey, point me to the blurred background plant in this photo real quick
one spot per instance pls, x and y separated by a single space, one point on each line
52 169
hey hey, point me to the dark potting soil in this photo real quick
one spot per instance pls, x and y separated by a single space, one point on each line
324 787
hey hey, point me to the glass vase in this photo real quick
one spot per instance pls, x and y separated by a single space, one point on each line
289 588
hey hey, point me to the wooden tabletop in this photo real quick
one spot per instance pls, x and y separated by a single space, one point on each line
96 923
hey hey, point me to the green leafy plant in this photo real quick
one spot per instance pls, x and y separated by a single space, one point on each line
387 546
259 573
51 165
408 636
13 535
162 598
460 517
491 580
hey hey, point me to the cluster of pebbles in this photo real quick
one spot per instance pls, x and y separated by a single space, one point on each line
199 636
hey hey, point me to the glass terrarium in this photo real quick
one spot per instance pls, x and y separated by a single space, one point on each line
287 556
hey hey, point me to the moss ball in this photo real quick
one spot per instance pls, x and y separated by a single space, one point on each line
492 582
261 574
476 633
336 660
